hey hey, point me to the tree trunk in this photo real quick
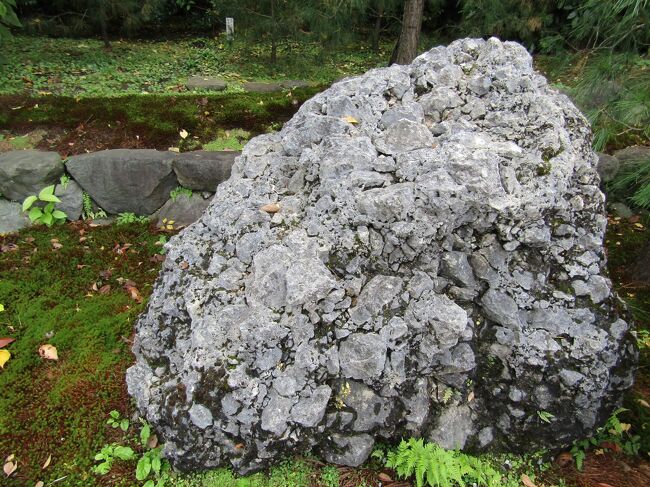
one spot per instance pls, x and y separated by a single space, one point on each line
103 24
407 44
377 29
274 41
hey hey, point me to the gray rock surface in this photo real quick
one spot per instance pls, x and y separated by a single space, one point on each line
259 87
632 154
12 217
608 167
71 197
432 266
125 180
207 83
204 170
183 210
25 172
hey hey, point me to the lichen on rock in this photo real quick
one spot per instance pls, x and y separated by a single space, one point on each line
422 277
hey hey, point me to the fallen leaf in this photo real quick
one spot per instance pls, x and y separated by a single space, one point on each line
94 287
603 484
39 484
183 133
4 356
184 265
56 245
157 258
470 397
174 149
384 477
6 341
48 352
271 208
643 403
350 119
105 289
47 462
525 479
134 293
564 459
152 442
10 467
239 446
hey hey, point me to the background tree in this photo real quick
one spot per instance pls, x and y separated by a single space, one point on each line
8 18
407 44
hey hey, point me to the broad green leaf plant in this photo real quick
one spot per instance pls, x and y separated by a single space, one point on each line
41 208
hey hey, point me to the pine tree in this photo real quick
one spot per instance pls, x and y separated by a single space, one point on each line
407 44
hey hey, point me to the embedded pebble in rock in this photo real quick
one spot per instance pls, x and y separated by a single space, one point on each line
433 266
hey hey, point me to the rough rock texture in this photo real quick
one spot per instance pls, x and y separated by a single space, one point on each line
125 180
71 197
204 170
25 172
183 210
12 217
607 167
435 268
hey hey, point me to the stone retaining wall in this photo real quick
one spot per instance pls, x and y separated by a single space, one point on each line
139 181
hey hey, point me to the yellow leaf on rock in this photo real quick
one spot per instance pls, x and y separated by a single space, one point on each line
350 119
4 356
271 208
48 352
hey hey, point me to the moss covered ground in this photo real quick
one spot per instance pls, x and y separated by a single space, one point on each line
40 66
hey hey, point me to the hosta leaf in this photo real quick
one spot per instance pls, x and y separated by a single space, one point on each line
29 201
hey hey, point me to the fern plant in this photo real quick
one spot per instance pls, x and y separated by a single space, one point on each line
438 467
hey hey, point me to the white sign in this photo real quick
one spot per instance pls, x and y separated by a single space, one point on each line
230 27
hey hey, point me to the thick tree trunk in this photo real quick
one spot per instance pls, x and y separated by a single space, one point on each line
407 44
377 29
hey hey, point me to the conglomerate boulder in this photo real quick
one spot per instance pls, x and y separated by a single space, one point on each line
418 252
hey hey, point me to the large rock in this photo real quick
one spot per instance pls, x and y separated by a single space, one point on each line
206 83
204 170
435 269
125 180
25 172
183 210
12 217
71 196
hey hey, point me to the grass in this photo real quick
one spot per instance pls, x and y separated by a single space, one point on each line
37 66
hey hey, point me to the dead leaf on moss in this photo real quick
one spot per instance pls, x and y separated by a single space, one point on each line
10 465
4 356
48 352
525 479
6 341
47 462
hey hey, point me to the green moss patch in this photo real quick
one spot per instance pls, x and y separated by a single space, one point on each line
56 296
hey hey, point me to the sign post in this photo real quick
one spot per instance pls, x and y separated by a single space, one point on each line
230 30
